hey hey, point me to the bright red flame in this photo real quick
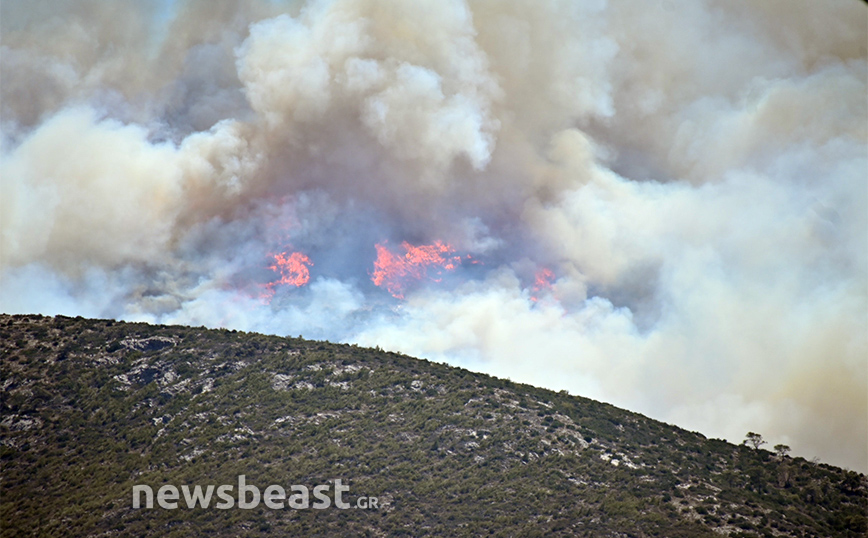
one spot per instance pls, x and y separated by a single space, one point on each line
542 281
394 271
293 270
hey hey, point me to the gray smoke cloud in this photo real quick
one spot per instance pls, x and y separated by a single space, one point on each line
691 174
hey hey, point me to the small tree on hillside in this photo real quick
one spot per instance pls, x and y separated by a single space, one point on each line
754 439
782 450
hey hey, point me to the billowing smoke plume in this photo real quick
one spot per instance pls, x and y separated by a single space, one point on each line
660 205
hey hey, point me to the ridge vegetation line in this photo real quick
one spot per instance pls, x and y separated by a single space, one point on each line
91 408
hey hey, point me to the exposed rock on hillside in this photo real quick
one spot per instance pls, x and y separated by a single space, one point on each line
91 408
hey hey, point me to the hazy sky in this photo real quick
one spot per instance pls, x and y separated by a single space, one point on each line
661 205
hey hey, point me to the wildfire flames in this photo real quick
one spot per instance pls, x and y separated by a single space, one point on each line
293 270
265 143
394 271
542 282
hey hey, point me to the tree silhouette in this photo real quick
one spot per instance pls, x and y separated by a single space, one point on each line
754 439
782 450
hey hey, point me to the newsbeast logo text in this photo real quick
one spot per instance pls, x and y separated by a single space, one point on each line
248 496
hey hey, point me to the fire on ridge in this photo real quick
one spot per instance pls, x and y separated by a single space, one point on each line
293 271
394 271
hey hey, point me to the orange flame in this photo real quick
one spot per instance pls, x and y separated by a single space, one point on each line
293 270
393 271
542 281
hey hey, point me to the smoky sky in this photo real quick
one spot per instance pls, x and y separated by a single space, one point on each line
690 178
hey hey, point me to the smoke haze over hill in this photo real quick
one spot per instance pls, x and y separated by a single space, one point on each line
662 206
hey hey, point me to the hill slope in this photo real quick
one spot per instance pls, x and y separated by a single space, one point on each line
91 408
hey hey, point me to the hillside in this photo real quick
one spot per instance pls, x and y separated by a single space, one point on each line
91 408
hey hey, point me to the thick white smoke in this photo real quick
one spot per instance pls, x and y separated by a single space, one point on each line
694 174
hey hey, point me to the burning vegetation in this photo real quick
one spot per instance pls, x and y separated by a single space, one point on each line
542 282
293 271
394 272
